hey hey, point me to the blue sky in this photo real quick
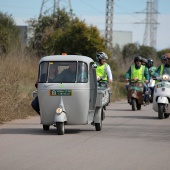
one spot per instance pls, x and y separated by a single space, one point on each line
93 12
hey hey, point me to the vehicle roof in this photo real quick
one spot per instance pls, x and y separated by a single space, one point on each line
67 58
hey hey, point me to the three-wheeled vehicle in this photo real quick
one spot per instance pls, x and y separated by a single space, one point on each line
72 97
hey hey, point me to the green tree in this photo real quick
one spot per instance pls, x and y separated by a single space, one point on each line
9 33
60 33
162 52
130 51
147 52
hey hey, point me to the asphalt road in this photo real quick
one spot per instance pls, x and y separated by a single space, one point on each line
129 140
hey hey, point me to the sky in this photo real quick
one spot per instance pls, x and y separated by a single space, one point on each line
127 15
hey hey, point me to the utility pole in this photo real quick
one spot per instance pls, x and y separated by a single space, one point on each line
109 24
54 6
150 23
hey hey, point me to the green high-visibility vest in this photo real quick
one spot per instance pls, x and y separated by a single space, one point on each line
101 71
138 73
162 69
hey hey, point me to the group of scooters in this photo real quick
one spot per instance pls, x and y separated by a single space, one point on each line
158 94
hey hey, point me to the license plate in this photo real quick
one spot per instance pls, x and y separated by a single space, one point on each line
60 92
135 88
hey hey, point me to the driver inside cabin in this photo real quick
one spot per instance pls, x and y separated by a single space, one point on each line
51 75
68 75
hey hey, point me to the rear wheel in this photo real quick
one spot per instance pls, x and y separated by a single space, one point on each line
161 110
46 127
60 128
133 104
166 115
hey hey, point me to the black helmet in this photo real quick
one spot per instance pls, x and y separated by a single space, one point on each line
100 56
150 62
137 58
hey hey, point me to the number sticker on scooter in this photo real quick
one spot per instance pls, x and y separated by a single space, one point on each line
163 85
60 92
136 88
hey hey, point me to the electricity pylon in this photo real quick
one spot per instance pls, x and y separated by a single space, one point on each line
150 23
54 6
109 24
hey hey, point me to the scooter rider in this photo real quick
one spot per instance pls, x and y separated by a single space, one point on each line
103 71
139 71
151 67
165 67
144 62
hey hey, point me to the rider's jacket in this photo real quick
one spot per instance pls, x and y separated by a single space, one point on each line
162 69
101 71
139 73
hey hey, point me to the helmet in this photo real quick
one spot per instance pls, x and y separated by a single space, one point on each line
168 59
163 57
137 58
144 60
100 56
150 62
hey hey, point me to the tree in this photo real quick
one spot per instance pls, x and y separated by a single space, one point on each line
147 52
9 33
130 51
162 52
60 33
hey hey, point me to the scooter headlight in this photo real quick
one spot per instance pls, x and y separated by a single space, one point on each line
165 77
59 110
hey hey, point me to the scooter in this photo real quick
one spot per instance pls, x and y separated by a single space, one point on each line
135 94
161 99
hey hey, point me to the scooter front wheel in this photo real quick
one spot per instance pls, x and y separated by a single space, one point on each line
46 127
134 104
60 128
161 110
139 106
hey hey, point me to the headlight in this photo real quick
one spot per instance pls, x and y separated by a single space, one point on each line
59 110
165 77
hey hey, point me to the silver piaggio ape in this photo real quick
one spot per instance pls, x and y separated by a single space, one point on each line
72 96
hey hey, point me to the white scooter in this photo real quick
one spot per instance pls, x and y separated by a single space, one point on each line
161 99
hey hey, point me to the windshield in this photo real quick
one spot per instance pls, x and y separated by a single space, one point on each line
63 72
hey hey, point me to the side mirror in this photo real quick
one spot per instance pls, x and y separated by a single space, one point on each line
94 66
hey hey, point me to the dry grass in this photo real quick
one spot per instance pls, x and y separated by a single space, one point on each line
118 91
17 74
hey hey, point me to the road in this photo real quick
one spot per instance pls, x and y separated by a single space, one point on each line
129 140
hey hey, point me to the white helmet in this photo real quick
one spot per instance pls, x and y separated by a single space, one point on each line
100 56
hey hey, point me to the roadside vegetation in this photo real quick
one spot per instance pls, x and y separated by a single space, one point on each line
54 35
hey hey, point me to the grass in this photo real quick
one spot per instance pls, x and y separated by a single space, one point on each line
18 75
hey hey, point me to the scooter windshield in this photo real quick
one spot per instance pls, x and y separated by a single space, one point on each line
63 72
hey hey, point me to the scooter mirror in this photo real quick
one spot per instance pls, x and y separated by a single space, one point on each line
94 66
